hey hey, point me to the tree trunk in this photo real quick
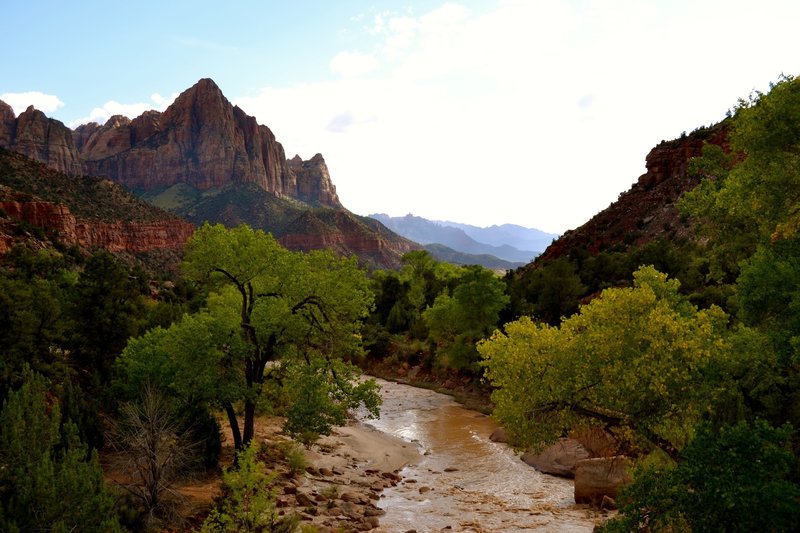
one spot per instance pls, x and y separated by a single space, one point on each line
249 422
234 422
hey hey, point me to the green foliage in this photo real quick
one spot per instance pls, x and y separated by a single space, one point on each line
269 312
320 392
754 200
248 500
295 458
634 359
549 292
736 479
48 479
456 323
108 310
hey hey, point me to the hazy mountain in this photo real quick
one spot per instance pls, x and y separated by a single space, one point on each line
443 253
518 237
508 242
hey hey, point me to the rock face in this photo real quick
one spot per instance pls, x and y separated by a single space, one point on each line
207 160
40 138
345 233
87 212
313 181
559 459
600 477
648 210
121 236
203 141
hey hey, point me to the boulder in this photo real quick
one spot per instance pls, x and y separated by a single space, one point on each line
600 478
559 459
598 442
499 435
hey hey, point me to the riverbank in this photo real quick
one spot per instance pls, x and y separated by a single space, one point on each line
339 484
467 391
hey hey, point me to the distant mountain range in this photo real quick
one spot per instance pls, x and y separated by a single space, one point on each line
511 244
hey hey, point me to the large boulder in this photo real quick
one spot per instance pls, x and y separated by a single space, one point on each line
598 442
559 459
600 477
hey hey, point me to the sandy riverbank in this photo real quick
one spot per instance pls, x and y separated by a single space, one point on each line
338 491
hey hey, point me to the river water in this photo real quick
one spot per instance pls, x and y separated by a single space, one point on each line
463 481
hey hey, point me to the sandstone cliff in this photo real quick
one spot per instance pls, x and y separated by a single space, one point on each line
203 141
648 210
87 212
207 160
38 137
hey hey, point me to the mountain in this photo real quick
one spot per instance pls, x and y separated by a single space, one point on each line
648 210
518 237
205 159
40 138
443 253
497 241
88 212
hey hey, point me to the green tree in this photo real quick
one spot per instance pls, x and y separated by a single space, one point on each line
457 322
734 479
268 306
46 481
108 310
635 360
248 502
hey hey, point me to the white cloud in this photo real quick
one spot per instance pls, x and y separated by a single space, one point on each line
538 113
111 108
353 64
19 102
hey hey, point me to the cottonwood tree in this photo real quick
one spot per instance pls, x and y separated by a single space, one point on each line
457 322
268 311
640 361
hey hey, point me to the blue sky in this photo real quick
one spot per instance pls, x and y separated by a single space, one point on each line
535 112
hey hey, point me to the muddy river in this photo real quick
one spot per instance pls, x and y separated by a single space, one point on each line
464 481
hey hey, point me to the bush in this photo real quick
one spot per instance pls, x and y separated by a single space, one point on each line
248 502
734 479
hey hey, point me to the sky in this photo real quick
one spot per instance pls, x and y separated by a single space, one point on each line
532 112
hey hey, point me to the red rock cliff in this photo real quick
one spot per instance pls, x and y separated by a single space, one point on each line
38 137
201 140
648 210
134 237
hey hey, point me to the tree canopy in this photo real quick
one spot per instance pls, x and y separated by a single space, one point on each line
268 310
635 360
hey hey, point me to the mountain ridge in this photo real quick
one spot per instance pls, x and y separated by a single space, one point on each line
456 237
648 211
207 145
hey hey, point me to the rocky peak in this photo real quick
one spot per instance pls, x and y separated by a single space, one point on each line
111 138
145 125
8 124
314 184
41 138
201 140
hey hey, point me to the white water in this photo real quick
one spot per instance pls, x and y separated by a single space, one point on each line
475 484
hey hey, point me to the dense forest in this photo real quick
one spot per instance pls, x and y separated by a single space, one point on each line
687 352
